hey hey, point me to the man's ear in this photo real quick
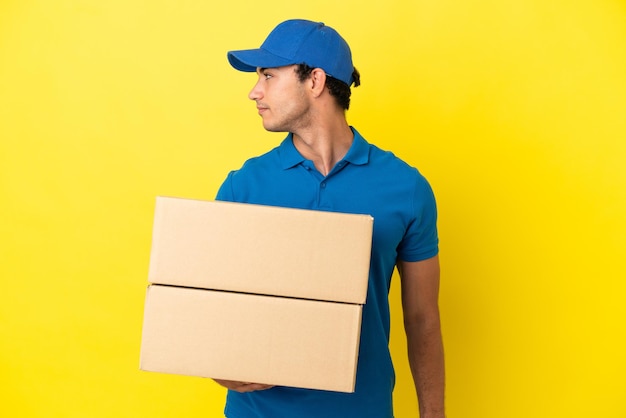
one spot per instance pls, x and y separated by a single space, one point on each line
318 81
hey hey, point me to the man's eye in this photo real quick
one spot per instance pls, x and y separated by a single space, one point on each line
267 76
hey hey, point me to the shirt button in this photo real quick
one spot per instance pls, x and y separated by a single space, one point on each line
323 185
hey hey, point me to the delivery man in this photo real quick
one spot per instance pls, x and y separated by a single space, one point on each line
304 74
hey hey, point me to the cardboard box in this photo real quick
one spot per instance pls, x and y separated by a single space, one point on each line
261 249
251 338
256 293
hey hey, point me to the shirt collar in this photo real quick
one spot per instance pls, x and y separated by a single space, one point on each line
289 155
358 154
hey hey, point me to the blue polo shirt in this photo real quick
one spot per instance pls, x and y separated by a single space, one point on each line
369 181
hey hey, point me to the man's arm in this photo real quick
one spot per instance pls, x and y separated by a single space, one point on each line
242 386
420 294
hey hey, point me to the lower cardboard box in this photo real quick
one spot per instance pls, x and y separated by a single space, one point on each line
251 338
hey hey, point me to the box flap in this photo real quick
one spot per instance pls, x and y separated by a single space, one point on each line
261 249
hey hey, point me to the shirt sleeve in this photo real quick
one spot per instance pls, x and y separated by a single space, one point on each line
421 240
225 192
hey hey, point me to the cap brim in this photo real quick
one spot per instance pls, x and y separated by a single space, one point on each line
249 60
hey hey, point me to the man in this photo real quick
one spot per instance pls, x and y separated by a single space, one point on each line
304 73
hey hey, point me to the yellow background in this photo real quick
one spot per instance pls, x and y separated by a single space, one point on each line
515 110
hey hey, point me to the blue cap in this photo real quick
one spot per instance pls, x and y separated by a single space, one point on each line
299 42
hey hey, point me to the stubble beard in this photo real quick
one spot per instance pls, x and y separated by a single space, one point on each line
294 118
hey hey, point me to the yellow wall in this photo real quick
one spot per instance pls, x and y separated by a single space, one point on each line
514 109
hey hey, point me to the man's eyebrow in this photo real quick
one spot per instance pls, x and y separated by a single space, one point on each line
261 69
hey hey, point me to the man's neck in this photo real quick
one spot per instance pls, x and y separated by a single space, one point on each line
324 144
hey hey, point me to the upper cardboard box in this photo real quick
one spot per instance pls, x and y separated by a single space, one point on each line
261 249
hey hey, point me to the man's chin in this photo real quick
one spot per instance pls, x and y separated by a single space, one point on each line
273 128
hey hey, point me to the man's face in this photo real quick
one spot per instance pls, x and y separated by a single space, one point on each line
281 99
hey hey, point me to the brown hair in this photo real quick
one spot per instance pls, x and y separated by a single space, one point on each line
337 88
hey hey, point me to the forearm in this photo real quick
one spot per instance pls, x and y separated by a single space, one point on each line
425 349
420 292
242 386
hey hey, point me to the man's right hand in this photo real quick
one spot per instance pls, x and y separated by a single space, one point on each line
242 386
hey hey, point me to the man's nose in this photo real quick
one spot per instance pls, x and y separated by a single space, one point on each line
256 93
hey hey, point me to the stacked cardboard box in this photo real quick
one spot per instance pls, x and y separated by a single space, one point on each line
256 293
